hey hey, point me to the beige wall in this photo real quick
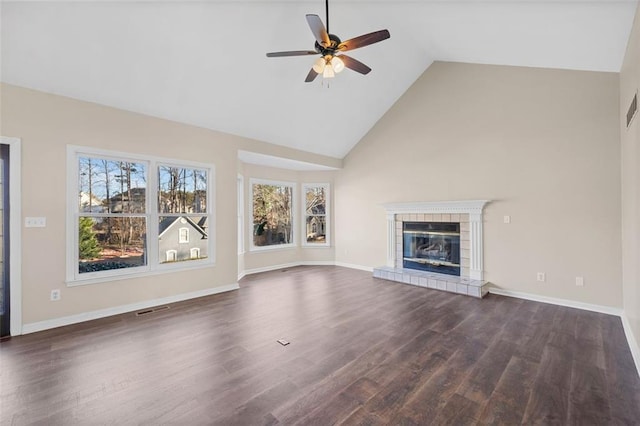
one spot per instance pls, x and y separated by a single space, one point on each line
630 139
46 124
542 144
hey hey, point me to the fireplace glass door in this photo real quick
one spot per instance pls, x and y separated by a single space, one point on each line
432 246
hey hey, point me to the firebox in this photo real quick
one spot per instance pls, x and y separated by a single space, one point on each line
432 246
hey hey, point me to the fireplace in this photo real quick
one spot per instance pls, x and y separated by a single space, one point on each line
431 246
437 245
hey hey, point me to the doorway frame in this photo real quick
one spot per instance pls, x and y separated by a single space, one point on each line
15 231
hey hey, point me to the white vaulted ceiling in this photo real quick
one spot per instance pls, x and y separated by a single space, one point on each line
204 63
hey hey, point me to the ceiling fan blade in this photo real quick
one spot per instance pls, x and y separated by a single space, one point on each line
318 30
291 53
354 64
311 76
364 40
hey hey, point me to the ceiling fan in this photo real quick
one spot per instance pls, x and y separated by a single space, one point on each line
330 47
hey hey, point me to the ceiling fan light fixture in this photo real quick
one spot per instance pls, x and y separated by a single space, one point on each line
328 71
319 65
337 64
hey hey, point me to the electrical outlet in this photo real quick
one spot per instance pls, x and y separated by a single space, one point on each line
540 276
580 281
35 222
55 295
507 219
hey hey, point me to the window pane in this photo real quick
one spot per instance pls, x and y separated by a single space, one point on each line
108 243
110 186
316 229
272 214
315 198
182 190
182 238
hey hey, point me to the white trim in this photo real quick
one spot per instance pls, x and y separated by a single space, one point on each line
153 265
306 263
302 263
270 268
240 213
317 263
327 211
434 207
354 266
117 310
15 232
294 214
242 275
631 340
610 310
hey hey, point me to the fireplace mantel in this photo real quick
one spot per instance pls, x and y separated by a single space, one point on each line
433 207
439 211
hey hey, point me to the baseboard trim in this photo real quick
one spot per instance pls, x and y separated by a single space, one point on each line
317 263
269 268
556 301
631 339
241 275
102 313
305 263
354 266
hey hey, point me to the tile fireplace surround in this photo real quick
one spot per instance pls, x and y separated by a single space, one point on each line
469 215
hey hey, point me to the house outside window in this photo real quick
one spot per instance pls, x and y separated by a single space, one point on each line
182 206
130 214
315 213
272 218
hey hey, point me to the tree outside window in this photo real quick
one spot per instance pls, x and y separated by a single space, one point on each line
112 219
272 214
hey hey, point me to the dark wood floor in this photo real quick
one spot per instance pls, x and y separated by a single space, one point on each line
363 351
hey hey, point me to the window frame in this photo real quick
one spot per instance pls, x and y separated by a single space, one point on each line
294 215
327 213
240 207
153 262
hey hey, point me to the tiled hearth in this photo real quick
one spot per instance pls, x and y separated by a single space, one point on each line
469 215
450 283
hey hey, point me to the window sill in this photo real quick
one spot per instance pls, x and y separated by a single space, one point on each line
316 246
162 270
276 247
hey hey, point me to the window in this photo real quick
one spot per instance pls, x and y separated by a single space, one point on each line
130 214
112 217
182 206
184 235
272 214
316 226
